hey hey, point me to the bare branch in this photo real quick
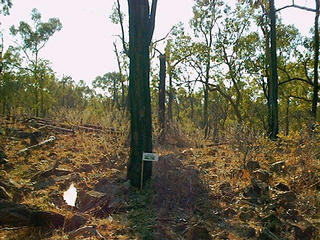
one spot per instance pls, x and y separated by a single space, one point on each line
301 98
161 39
125 49
297 6
152 18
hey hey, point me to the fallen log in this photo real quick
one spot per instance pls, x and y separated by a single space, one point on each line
50 140
59 129
17 215
88 129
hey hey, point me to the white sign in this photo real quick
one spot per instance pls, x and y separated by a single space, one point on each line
150 157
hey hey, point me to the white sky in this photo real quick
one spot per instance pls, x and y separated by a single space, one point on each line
83 48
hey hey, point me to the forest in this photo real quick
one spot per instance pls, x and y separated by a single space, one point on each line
210 132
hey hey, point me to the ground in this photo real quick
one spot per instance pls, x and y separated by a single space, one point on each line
237 189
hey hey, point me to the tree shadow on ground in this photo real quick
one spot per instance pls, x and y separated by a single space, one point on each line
186 208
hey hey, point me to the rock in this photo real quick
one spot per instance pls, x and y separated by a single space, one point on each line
282 187
245 231
3 194
258 192
262 175
56 198
307 234
88 200
75 222
278 166
246 215
272 223
198 233
13 214
293 215
288 196
112 189
252 166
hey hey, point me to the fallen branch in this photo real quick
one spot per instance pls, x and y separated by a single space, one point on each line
50 140
82 230
60 129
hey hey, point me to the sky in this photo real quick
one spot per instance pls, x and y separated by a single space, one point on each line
83 49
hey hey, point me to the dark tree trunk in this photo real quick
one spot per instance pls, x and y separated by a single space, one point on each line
170 102
287 117
162 97
123 98
316 65
273 86
205 108
141 26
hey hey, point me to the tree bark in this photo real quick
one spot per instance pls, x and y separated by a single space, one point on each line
141 26
162 97
316 65
170 102
273 89
287 117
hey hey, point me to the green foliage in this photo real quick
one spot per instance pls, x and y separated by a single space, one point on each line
6 5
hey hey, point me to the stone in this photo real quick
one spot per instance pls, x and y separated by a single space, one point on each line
245 231
198 233
112 189
88 200
272 223
262 175
252 165
288 196
258 192
15 215
278 166
75 222
282 187
307 234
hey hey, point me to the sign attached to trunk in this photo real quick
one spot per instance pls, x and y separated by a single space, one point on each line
150 157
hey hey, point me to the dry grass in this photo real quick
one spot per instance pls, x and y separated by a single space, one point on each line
193 185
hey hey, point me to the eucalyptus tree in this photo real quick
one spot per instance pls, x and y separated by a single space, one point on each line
141 28
110 82
31 39
205 16
178 49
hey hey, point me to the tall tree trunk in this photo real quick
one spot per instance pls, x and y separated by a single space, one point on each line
273 89
205 108
123 98
206 90
316 65
170 102
141 26
162 97
287 117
